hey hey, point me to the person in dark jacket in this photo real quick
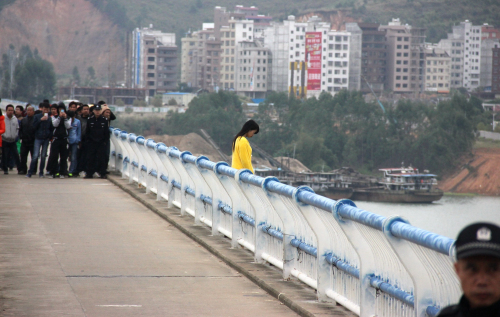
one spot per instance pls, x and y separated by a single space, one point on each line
97 134
478 269
59 147
27 136
42 124
83 149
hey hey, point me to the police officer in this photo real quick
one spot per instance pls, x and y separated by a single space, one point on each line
478 269
97 135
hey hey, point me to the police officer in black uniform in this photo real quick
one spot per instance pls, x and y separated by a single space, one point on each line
478 269
97 135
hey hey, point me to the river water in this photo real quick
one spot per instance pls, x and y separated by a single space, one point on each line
446 216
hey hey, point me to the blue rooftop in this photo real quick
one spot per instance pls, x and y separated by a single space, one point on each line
258 100
176 93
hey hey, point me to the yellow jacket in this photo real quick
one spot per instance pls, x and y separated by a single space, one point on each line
242 154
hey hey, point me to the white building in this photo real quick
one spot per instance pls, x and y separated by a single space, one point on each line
252 69
307 57
463 45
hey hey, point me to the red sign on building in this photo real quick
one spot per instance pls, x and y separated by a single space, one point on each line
313 60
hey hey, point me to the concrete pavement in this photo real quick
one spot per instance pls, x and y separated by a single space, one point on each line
74 247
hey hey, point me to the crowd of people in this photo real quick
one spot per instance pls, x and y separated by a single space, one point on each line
79 133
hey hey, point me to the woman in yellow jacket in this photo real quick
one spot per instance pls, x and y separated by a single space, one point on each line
242 152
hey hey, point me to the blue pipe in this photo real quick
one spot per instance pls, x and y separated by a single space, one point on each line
154 173
190 191
272 232
206 199
432 311
151 143
134 163
140 140
113 153
225 208
246 218
226 170
307 248
206 164
189 158
252 179
341 265
176 184
144 168
422 237
120 156
162 148
395 292
164 178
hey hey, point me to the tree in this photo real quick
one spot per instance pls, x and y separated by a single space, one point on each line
119 103
157 101
172 102
76 76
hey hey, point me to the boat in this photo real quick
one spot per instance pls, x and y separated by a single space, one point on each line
401 185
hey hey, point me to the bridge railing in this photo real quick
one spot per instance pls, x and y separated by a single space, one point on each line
372 265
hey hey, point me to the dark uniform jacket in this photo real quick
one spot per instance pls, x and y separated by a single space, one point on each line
462 309
97 129
27 130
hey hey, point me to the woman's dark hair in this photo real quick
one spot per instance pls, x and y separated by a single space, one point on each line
1 114
248 126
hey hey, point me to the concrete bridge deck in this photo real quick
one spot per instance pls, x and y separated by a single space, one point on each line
74 247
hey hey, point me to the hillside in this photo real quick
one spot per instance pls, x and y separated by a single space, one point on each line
436 15
67 33
479 176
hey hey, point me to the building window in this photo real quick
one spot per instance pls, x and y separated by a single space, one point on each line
151 50
151 66
151 59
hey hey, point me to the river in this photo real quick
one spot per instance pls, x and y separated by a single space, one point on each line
446 216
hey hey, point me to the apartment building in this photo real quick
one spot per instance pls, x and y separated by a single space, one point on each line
405 57
153 61
308 57
472 54
355 56
373 57
495 71
490 38
454 46
235 32
437 70
252 60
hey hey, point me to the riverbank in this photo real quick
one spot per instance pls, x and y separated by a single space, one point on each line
480 174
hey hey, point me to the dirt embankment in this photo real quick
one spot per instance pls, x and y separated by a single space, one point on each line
66 33
481 175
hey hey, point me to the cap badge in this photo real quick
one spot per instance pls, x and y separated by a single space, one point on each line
484 234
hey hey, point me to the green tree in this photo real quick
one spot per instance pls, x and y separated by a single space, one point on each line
76 76
172 102
119 103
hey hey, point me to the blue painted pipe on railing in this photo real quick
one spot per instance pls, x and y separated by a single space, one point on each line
126 160
176 184
134 163
225 208
246 218
153 173
151 143
252 179
272 232
189 158
190 191
206 164
144 168
307 248
164 178
113 153
123 135
422 237
341 265
395 292
280 188
432 311
120 156
206 199
140 140
174 153
132 137
226 170
162 148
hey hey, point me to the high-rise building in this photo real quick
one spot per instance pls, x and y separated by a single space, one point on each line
355 56
308 57
495 70
154 61
490 38
437 70
373 58
405 57
252 61
464 47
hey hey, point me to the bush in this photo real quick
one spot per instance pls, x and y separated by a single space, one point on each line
129 110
